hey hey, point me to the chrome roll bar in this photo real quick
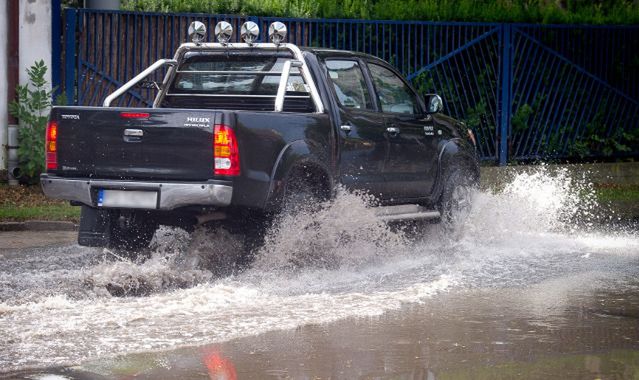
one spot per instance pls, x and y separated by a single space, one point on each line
281 90
297 61
138 78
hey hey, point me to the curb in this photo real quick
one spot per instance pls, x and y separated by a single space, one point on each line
38 225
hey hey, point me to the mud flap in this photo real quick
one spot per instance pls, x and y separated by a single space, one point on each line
94 227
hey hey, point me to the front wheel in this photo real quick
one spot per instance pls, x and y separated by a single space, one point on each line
456 201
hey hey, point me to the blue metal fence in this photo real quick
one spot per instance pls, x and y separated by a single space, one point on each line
528 91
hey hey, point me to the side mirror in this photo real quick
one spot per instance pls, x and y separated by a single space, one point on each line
434 103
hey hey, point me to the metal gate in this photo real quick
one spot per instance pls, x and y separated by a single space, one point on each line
575 91
528 91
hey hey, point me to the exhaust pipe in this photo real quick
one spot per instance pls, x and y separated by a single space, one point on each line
12 152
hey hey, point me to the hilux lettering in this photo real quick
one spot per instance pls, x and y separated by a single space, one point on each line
198 120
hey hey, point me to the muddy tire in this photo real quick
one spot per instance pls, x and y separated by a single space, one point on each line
455 203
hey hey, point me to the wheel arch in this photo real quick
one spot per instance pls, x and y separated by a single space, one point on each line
296 161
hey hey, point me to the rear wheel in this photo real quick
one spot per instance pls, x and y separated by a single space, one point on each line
131 231
299 224
227 246
305 191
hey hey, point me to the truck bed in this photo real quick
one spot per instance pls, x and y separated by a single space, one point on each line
176 145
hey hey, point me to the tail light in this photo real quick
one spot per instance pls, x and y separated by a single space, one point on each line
135 115
225 152
51 146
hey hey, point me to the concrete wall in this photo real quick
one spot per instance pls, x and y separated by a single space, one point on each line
35 35
35 44
4 115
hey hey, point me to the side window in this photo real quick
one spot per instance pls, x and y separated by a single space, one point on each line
349 84
394 95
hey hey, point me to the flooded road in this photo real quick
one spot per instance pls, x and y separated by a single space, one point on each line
478 334
530 286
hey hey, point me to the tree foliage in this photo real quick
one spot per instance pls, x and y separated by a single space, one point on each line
527 11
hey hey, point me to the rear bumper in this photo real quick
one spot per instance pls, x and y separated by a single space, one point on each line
171 195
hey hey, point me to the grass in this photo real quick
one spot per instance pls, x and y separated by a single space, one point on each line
49 212
617 193
20 203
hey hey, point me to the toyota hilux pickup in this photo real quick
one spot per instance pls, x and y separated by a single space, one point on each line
241 129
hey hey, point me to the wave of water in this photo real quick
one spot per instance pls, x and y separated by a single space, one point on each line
58 306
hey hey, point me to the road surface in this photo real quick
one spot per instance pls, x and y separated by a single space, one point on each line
529 289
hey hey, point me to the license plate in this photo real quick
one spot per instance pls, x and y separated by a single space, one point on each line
128 199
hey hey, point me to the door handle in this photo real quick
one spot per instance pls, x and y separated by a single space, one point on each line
393 131
133 135
346 128
133 132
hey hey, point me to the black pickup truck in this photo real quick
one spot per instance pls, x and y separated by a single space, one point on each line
240 129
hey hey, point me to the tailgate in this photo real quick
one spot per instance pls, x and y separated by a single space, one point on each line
135 143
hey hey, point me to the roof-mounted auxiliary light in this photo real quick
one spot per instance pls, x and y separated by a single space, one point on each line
197 32
249 32
277 32
223 32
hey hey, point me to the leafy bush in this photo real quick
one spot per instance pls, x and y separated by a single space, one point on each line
31 108
596 140
529 11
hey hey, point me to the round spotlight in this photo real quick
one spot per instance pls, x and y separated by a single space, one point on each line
249 32
277 32
223 32
197 32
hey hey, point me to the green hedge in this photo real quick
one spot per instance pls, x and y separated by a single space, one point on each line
528 11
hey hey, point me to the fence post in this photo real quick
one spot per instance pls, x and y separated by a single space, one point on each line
70 17
505 98
56 53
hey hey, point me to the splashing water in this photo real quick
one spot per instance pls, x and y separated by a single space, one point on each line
343 233
534 203
57 306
